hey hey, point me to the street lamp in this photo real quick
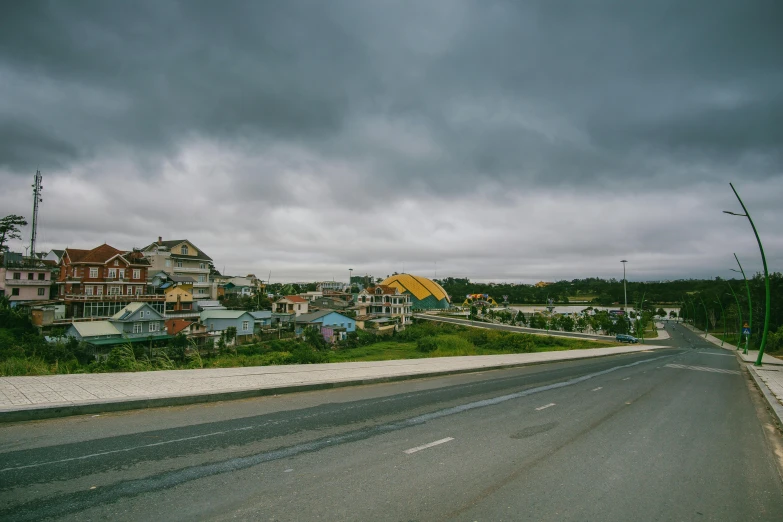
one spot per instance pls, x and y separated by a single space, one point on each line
750 304
739 312
350 276
766 274
625 291
723 315
706 318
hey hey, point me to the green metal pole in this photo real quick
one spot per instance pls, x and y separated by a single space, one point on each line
723 314
706 318
750 306
766 279
739 311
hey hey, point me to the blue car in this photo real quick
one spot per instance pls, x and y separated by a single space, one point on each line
622 338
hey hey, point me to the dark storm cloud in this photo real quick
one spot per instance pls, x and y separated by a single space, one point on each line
672 77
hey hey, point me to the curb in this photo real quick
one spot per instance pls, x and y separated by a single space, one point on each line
773 402
51 412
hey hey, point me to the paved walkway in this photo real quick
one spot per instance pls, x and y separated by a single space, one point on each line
24 398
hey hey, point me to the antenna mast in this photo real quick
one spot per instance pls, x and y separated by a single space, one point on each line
37 189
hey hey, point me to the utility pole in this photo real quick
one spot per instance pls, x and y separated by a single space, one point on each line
37 189
625 291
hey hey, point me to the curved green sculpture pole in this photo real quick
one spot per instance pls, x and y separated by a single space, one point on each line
739 311
706 318
766 275
750 305
722 314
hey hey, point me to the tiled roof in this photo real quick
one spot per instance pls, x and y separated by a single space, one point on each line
95 328
387 290
76 254
174 242
175 326
100 254
295 299
222 314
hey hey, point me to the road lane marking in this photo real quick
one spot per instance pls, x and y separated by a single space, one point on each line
626 378
599 388
721 354
702 369
545 406
425 446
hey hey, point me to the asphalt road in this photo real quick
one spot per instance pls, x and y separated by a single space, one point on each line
519 329
675 434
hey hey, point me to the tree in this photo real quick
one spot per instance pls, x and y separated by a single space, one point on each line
9 228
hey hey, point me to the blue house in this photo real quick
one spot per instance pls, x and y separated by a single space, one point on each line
136 322
220 320
333 326
263 319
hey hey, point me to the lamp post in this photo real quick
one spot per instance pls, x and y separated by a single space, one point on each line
723 314
350 276
739 311
750 304
766 275
625 291
706 318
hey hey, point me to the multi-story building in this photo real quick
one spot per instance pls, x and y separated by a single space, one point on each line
102 281
180 257
384 301
24 280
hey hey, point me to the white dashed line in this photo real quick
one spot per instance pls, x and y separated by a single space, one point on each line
626 378
599 388
721 354
425 446
545 406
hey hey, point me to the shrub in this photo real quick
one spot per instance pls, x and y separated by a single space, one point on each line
427 344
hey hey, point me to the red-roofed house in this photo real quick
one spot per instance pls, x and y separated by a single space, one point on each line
291 304
102 281
183 326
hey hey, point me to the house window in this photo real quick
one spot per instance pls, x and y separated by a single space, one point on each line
122 273
14 291
17 275
298 307
112 273
100 290
184 250
116 263
154 326
138 290
202 279
93 273
87 290
42 291
41 276
137 328
245 325
115 290
179 264
130 290
30 276
168 262
136 273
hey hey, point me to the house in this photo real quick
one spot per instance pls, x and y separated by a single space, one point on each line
220 320
54 255
180 257
206 304
139 320
240 286
330 303
384 301
24 280
185 327
291 304
263 319
332 325
102 281
91 331
162 280
312 295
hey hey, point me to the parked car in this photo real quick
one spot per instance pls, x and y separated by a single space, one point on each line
626 338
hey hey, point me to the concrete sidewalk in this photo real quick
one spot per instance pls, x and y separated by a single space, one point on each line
768 376
28 398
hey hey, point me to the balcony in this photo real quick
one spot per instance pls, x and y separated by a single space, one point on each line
201 284
27 282
110 298
177 269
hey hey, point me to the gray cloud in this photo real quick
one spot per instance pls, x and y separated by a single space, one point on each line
333 133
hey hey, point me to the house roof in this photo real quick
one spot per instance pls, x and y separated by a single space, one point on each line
58 253
295 299
95 328
262 314
75 254
309 318
100 254
386 289
129 310
222 314
174 242
175 326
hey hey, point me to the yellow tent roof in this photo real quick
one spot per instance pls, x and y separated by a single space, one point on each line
420 287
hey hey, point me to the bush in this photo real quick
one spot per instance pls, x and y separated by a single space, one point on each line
427 344
21 366
303 354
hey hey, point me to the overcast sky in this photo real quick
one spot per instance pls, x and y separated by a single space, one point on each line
508 141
